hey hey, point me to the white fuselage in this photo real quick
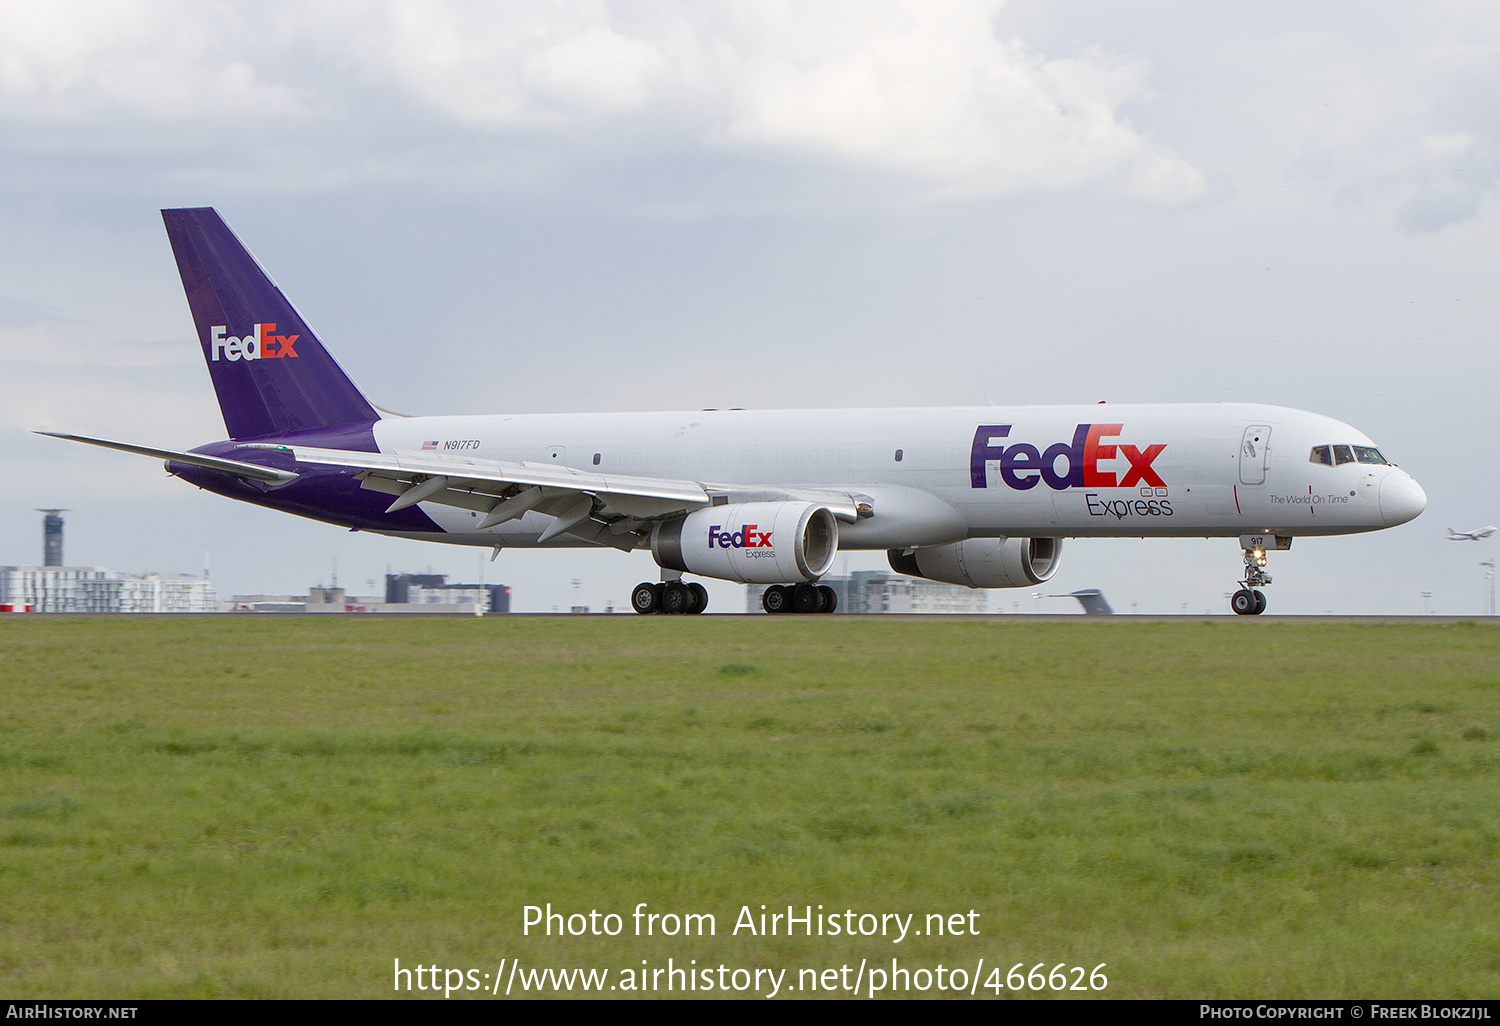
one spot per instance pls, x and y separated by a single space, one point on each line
937 475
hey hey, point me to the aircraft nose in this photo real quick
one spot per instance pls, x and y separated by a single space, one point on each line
1401 498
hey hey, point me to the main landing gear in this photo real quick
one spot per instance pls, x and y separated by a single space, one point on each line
692 597
799 598
669 597
1250 600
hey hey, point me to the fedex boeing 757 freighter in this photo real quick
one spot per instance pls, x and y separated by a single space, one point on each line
979 496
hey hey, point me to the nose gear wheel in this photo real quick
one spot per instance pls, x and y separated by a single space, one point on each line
1250 600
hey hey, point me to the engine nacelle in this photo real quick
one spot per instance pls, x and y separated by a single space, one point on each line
983 562
750 542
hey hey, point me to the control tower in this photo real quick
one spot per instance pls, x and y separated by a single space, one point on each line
52 537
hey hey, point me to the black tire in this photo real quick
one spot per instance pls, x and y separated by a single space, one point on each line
1260 602
830 599
675 597
776 599
1243 602
700 597
805 599
646 597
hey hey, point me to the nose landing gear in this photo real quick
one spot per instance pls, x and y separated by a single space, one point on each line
1250 600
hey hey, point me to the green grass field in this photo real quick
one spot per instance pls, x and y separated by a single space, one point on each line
279 807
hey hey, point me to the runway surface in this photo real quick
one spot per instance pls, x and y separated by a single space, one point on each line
1019 618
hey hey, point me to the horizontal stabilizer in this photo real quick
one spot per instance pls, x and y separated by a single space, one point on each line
235 467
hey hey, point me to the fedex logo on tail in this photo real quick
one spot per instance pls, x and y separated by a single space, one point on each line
752 537
261 344
1023 465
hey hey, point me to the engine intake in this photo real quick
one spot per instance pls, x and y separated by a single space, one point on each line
750 542
982 562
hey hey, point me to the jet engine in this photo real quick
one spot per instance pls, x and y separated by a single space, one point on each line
982 562
750 542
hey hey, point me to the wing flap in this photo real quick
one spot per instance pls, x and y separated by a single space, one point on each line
481 485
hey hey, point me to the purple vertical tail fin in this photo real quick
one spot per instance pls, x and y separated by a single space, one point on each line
271 373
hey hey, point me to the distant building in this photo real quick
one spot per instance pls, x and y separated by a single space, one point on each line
398 586
52 537
880 591
434 589
404 593
268 604
93 589
317 600
54 588
326 597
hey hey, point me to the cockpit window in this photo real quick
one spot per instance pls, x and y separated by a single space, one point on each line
1338 455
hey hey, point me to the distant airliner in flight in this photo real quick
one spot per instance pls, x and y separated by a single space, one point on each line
1474 535
979 496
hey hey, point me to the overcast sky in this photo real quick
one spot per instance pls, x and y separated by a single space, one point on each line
554 206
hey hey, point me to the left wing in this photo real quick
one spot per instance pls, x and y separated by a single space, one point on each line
611 509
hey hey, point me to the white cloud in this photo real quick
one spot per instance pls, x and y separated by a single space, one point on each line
1447 145
1454 171
925 90
75 59
596 70
466 61
929 89
1437 206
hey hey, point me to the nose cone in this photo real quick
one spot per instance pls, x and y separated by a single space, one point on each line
1401 498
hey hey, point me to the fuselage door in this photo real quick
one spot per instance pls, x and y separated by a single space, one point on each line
1255 454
